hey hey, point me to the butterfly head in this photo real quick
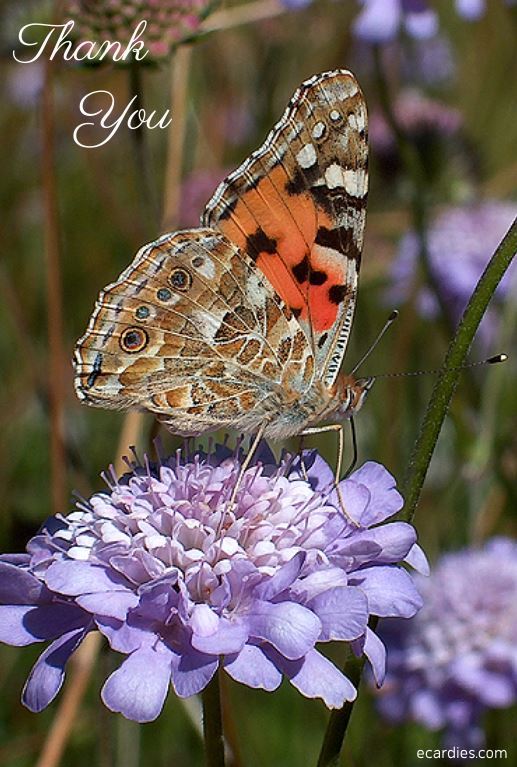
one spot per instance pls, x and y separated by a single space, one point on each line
350 394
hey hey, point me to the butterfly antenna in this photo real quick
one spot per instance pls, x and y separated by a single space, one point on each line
494 360
393 316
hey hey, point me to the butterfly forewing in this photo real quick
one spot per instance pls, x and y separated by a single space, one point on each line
297 207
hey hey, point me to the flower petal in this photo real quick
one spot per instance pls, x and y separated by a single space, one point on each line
229 638
21 626
73 578
47 675
192 671
390 591
18 587
115 605
253 668
289 627
385 499
282 579
417 560
139 687
376 653
343 613
316 677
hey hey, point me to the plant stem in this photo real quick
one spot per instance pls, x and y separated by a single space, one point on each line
146 182
213 724
180 74
339 719
447 381
54 299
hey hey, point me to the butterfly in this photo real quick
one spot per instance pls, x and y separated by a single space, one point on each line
243 322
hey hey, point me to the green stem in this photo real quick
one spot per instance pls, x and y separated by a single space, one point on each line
447 381
213 724
339 719
145 181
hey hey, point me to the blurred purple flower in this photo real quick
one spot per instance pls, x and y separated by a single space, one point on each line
457 657
381 20
471 9
460 243
182 584
169 22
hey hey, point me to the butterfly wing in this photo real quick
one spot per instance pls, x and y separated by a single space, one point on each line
297 207
192 331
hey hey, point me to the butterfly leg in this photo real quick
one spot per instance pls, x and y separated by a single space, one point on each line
246 463
354 449
336 427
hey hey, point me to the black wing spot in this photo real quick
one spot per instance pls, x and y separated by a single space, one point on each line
296 312
337 293
259 242
301 270
317 278
332 238
322 339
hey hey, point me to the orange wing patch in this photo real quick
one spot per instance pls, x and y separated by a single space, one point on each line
297 208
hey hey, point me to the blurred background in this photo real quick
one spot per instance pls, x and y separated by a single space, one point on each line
439 79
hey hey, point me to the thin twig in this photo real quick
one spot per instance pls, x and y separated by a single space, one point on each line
54 298
145 181
176 136
247 13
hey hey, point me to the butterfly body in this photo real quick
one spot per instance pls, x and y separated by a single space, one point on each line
243 322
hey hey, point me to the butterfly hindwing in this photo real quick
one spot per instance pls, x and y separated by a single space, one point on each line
192 331
297 207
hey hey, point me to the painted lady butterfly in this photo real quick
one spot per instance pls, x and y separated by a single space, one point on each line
243 322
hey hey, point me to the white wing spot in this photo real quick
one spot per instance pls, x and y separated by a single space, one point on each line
318 131
335 176
306 157
335 115
355 182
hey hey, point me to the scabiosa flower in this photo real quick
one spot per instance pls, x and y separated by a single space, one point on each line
456 658
460 243
181 581
169 22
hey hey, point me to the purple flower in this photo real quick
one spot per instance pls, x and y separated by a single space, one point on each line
460 243
457 657
381 20
470 9
181 582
